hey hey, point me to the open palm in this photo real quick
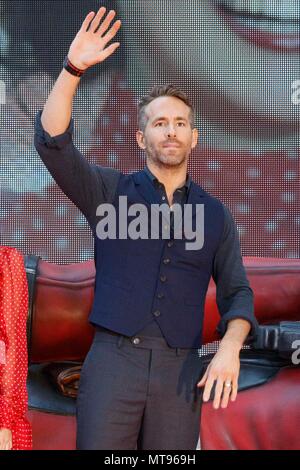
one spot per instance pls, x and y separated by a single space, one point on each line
89 46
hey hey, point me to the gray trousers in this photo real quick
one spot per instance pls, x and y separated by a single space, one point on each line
138 393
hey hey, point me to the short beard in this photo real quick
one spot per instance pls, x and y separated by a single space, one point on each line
165 161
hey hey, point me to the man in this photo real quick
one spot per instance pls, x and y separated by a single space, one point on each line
140 385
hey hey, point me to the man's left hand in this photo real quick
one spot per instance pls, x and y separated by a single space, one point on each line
224 369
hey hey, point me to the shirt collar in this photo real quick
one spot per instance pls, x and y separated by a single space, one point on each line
154 180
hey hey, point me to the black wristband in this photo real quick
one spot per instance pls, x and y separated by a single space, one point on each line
72 69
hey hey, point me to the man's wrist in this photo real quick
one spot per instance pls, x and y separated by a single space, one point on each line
231 343
237 332
72 68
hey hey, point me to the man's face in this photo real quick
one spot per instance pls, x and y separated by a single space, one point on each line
168 137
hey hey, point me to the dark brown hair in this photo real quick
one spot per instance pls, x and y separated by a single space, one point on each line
156 92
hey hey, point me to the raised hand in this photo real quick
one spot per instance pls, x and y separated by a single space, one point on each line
89 46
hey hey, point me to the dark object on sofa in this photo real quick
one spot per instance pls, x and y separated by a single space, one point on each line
65 377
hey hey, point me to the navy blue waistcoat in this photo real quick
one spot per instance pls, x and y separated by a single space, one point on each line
134 282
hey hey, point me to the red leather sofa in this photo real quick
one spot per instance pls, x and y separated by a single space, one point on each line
263 417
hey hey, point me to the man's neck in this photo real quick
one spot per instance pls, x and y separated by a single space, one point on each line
171 178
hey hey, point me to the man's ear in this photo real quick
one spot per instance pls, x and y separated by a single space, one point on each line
195 135
140 139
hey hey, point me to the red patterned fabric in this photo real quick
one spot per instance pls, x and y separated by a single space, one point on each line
13 367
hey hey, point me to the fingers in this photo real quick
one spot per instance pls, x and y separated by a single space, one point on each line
208 386
226 393
105 25
218 393
95 23
202 381
86 22
5 439
222 392
6 445
112 32
108 51
234 389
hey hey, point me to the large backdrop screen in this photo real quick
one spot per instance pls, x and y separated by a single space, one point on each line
239 61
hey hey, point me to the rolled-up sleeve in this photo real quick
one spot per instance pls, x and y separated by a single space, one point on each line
42 138
85 184
233 294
